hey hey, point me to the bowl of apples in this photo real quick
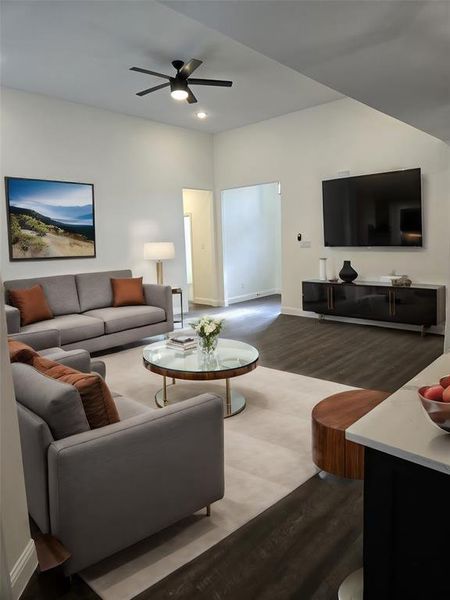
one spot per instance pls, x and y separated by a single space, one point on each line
436 401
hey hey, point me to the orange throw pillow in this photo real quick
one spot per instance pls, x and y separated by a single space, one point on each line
97 401
128 291
20 352
32 304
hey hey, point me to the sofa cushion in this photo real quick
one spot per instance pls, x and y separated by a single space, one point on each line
128 291
97 401
32 304
57 403
72 328
60 291
128 408
20 352
94 289
128 317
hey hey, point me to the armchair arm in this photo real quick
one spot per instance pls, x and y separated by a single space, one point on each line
12 319
136 477
76 359
160 296
39 340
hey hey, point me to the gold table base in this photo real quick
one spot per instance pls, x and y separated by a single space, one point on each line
233 401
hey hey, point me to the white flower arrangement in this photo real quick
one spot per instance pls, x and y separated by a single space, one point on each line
208 329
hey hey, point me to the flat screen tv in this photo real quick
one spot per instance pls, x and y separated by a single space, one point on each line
383 209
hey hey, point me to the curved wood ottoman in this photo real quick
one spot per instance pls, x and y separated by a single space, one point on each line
330 418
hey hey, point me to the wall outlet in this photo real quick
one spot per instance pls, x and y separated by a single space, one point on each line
305 244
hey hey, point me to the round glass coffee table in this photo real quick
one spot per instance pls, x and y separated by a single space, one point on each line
232 358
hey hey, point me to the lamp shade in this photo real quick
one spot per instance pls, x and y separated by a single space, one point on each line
159 251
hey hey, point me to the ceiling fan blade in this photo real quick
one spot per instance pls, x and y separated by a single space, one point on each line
191 99
190 67
153 89
154 73
215 82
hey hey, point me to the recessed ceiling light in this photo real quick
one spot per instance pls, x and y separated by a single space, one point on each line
201 115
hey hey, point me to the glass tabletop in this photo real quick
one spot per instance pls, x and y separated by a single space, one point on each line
230 354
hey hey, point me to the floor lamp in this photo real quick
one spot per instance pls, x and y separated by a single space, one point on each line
159 251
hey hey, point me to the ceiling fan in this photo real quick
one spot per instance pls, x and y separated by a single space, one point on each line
179 84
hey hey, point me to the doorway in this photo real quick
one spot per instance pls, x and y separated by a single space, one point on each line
201 273
251 238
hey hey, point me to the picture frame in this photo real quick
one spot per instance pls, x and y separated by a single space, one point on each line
50 219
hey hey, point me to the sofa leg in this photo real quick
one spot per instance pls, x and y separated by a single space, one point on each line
208 510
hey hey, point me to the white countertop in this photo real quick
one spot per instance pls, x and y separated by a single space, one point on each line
400 426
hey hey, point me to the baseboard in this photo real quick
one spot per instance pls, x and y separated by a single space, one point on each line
252 296
23 569
298 312
207 301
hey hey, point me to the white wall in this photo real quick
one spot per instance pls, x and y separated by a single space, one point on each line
19 554
200 205
138 168
303 148
251 236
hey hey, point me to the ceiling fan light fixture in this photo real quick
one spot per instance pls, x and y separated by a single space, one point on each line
178 90
179 94
180 84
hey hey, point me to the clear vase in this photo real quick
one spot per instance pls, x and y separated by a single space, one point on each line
208 346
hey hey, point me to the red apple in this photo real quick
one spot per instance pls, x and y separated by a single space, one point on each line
445 381
446 395
434 392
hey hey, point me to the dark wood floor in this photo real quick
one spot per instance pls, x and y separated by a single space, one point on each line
302 547
358 355
305 545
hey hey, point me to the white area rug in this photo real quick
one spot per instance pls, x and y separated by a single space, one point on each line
267 456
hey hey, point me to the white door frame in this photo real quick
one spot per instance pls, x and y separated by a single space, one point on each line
221 239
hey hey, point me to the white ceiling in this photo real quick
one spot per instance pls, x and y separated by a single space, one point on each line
82 50
392 55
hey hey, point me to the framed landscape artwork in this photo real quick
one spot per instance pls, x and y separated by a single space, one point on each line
50 219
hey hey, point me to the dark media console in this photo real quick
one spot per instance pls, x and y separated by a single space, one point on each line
420 304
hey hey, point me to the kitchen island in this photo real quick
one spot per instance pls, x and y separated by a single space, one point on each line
406 496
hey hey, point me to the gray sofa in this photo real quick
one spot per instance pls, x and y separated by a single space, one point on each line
100 491
84 315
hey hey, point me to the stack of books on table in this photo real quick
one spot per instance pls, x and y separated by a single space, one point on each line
182 342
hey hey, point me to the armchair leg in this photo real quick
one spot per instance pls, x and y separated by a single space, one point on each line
208 510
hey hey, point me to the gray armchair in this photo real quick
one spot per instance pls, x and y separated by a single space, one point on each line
99 491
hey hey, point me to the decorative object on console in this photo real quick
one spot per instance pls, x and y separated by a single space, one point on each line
207 330
49 219
348 273
159 251
403 281
323 269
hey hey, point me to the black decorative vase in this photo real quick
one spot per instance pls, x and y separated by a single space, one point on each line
348 273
